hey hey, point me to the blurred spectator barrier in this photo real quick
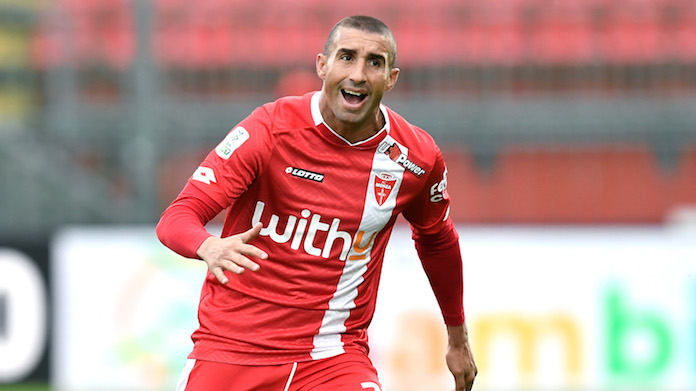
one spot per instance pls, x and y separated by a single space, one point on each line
106 107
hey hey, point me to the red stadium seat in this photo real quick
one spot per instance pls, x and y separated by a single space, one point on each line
601 184
272 33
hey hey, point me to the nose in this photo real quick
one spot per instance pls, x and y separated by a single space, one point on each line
357 73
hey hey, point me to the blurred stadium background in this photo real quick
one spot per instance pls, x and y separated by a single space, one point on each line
550 114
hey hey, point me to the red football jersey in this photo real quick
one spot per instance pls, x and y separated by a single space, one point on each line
327 207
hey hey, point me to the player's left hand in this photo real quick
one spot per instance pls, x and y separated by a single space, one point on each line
460 360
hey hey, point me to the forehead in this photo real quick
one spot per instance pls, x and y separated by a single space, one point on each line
361 41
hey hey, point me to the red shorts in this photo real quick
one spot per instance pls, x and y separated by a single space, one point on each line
345 372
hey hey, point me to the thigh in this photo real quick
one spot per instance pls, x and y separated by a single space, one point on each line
214 376
346 372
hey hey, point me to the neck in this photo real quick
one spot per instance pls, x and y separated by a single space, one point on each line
354 132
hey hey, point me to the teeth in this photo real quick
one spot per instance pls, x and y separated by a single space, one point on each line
352 93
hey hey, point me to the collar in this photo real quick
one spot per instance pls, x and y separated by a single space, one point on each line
319 119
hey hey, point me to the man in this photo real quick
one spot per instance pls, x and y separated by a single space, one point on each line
313 185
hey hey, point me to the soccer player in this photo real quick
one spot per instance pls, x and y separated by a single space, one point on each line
313 185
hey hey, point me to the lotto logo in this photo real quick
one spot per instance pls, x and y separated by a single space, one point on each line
205 175
305 174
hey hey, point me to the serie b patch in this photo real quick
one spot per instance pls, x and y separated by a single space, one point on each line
234 140
384 184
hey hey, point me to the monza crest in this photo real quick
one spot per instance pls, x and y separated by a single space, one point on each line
384 183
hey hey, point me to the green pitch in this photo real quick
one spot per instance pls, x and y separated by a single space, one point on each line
26 387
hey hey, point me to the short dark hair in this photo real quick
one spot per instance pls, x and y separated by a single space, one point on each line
367 24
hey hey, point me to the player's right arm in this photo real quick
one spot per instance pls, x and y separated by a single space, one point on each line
182 229
226 173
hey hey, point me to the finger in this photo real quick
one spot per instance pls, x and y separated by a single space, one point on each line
460 383
469 381
233 266
220 275
253 251
251 234
244 262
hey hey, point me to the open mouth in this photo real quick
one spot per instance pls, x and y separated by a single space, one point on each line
353 97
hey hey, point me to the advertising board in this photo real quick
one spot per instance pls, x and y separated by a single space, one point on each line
548 308
24 311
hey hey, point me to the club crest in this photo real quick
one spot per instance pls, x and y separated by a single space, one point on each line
384 183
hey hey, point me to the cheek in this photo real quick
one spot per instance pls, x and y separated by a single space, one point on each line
331 78
380 84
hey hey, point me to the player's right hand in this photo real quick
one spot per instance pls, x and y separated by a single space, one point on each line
232 253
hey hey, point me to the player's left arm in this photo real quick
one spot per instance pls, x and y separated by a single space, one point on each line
437 244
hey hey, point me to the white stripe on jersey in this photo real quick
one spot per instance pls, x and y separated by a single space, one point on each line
327 342
185 373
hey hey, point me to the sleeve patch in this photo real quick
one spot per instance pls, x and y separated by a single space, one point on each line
437 191
234 140
205 175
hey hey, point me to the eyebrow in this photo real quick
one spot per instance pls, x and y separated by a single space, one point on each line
354 52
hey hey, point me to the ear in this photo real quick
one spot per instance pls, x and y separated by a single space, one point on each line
321 66
391 81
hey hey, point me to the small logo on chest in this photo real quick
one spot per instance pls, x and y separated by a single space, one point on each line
392 150
305 174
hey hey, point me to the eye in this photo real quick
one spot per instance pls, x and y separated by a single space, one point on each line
346 57
375 62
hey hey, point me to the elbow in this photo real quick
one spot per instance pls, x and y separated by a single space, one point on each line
160 229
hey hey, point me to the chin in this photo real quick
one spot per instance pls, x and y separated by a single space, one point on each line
352 117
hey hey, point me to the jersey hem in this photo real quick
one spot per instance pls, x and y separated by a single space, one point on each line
267 357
